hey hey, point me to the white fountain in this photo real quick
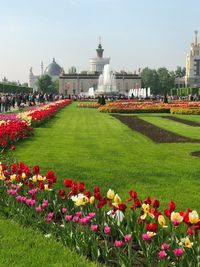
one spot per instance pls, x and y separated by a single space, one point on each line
91 92
107 82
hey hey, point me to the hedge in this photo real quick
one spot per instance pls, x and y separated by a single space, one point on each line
11 88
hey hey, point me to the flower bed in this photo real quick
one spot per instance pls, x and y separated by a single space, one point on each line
133 232
88 105
186 111
14 127
150 107
13 131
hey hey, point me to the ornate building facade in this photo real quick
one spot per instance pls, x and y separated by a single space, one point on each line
192 77
77 83
53 70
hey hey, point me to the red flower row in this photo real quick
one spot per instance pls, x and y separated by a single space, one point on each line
12 131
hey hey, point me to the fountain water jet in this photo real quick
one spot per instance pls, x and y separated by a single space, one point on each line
107 82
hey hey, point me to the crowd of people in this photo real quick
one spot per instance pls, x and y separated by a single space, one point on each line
9 102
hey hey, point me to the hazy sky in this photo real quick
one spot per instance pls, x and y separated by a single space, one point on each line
135 33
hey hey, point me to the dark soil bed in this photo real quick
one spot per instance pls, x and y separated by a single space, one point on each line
196 153
155 133
187 122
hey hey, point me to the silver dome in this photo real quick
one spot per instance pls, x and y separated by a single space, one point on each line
53 69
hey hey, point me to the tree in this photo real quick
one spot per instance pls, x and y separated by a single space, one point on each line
150 79
46 85
166 81
180 72
25 84
84 72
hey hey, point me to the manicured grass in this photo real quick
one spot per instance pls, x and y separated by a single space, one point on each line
176 127
22 247
94 147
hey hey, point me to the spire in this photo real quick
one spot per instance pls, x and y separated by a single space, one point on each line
100 49
42 70
54 60
196 38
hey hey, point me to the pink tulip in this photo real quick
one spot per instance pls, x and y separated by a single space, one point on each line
45 204
175 222
84 220
127 238
38 209
162 254
146 237
48 219
94 227
18 198
68 217
107 230
118 243
178 252
50 215
75 219
78 213
64 210
92 214
32 202
165 246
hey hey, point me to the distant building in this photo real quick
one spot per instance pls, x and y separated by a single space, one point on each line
76 83
192 77
53 70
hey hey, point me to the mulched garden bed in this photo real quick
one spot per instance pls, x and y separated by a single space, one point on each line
153 132
187 122
196 153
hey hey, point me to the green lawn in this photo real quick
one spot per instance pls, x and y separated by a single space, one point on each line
173 126
23 247
94 147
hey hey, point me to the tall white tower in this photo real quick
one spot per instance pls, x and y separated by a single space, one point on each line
192 77
97 64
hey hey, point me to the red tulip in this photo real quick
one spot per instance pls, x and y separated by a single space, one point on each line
152 227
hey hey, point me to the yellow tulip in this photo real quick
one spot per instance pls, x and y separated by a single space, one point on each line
186 242
13 177
110 194
175 216
23 175
151 234
46 187
92 199
161 221
39 177
193 217
146 211
34 178
2 176
117 199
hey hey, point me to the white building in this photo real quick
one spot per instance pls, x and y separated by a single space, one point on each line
192 77
74 83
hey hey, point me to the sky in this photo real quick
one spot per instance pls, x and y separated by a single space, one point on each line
135 33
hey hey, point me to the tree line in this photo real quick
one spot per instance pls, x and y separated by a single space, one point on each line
13 88
161 81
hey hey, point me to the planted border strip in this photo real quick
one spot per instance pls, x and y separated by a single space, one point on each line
195 154
187 122
153 132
